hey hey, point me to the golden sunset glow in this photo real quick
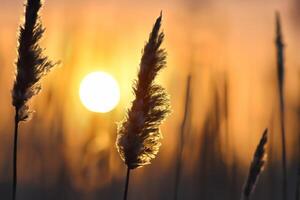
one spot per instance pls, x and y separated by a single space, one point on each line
99 92
232 71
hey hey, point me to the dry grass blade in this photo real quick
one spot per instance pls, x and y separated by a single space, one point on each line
256 167
297 193
280 73
182 135
31 65
139 135
280 52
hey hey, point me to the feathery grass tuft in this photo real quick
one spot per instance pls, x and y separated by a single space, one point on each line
256 167
139 135
280 76
31 66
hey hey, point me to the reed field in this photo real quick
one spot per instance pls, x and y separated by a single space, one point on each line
207 102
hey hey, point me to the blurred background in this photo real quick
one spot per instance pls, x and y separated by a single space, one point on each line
68 152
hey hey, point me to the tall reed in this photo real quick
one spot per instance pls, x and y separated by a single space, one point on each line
297 194
182 131
31 66
256 167
280 76
139 135
226 110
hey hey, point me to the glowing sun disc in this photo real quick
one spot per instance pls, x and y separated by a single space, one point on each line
99 92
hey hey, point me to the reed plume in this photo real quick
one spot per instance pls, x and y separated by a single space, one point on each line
182 131
31 66
139 135
256 167
280 76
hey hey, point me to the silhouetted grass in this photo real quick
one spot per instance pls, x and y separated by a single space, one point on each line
280 73
297 193
31 65
212 169
182 137
139 135
256 167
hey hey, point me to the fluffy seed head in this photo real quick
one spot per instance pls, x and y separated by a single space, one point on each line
31 64
139 136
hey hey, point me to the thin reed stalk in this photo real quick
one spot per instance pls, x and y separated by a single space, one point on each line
297 193
15 156
256 167
31 66
280 76
226 111
126 184
139 135
181 144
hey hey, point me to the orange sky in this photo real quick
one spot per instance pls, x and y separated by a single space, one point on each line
208 38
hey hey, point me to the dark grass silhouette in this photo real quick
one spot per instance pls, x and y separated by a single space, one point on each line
31 66
138 139
212 169
182 138
256 167
226 109
297 192
280 76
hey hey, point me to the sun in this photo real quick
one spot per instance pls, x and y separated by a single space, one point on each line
99 92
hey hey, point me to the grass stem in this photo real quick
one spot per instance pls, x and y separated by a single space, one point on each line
15 152
126 184
182 131
280 73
